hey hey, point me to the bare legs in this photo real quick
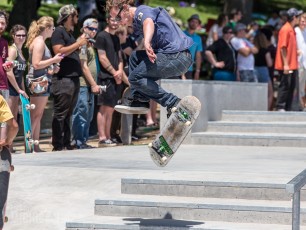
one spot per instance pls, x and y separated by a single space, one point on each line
36 115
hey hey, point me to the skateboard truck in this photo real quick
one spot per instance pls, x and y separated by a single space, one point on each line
5 165
160 151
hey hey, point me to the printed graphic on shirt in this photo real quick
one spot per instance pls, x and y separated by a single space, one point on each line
4 52
139 16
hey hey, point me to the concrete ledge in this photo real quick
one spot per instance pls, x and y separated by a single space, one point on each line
216 96
198 211
250 139
230 190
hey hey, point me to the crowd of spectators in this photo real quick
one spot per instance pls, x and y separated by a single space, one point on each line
77 67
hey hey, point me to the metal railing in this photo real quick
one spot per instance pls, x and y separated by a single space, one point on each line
294 187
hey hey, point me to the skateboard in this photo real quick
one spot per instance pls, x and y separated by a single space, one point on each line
5 169
28 140
128 110
175 130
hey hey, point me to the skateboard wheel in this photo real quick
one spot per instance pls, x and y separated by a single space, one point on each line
163 159
187 123
27 106
32 106
173 109
5 219
36 142
150 145
12 168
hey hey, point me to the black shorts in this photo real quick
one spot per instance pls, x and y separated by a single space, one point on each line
108 98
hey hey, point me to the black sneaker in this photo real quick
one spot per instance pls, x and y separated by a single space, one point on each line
169 108
133 107
116 139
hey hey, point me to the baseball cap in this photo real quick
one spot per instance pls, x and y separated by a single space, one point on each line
294 12
226 29
195 16
64 12
240 26
89 21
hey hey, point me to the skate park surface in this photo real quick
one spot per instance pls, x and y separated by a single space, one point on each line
49 189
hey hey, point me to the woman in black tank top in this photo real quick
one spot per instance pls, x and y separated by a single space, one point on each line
15 76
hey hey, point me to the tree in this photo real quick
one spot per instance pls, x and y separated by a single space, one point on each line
23 12
245 6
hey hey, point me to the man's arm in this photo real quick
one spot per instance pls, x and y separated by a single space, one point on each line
12 130
283 52
12 126
148 31
107 65
198 65
87 74
67 50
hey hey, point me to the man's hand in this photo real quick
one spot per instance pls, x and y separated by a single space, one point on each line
95 89
118 77
150 52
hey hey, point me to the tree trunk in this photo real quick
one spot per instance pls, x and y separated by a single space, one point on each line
245 6
23 12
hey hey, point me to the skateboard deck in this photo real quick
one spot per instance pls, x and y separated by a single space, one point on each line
5 169
129 110
175 130
28 140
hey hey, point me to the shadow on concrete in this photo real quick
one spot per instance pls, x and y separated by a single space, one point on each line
167 221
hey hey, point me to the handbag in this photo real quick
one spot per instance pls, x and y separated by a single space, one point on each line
36 85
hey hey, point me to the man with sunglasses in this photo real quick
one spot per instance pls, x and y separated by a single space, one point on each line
66 83
166 54
84 109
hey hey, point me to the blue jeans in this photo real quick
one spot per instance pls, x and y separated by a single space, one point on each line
144 74
82 115
223 75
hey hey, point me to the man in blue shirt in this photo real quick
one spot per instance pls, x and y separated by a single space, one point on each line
196 50
166 53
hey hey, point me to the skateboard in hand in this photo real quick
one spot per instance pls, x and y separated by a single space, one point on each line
129 110
182 118
5 169
28 139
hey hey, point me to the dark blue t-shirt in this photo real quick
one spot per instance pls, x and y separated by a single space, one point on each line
168 37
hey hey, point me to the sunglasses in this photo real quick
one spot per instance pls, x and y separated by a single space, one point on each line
20 35
118 17
92 28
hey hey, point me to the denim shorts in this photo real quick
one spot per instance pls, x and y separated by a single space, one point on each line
248 76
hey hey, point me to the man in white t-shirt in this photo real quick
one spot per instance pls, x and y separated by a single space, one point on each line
245 57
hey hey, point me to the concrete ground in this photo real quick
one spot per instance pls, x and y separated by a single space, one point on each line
49 189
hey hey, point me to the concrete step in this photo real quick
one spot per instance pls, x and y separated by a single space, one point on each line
259 116
212 189
208 209
132 223
249 139
259 127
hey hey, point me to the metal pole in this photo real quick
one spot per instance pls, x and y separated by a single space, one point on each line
296 211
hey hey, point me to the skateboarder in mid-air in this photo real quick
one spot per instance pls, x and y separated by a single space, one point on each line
166 53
